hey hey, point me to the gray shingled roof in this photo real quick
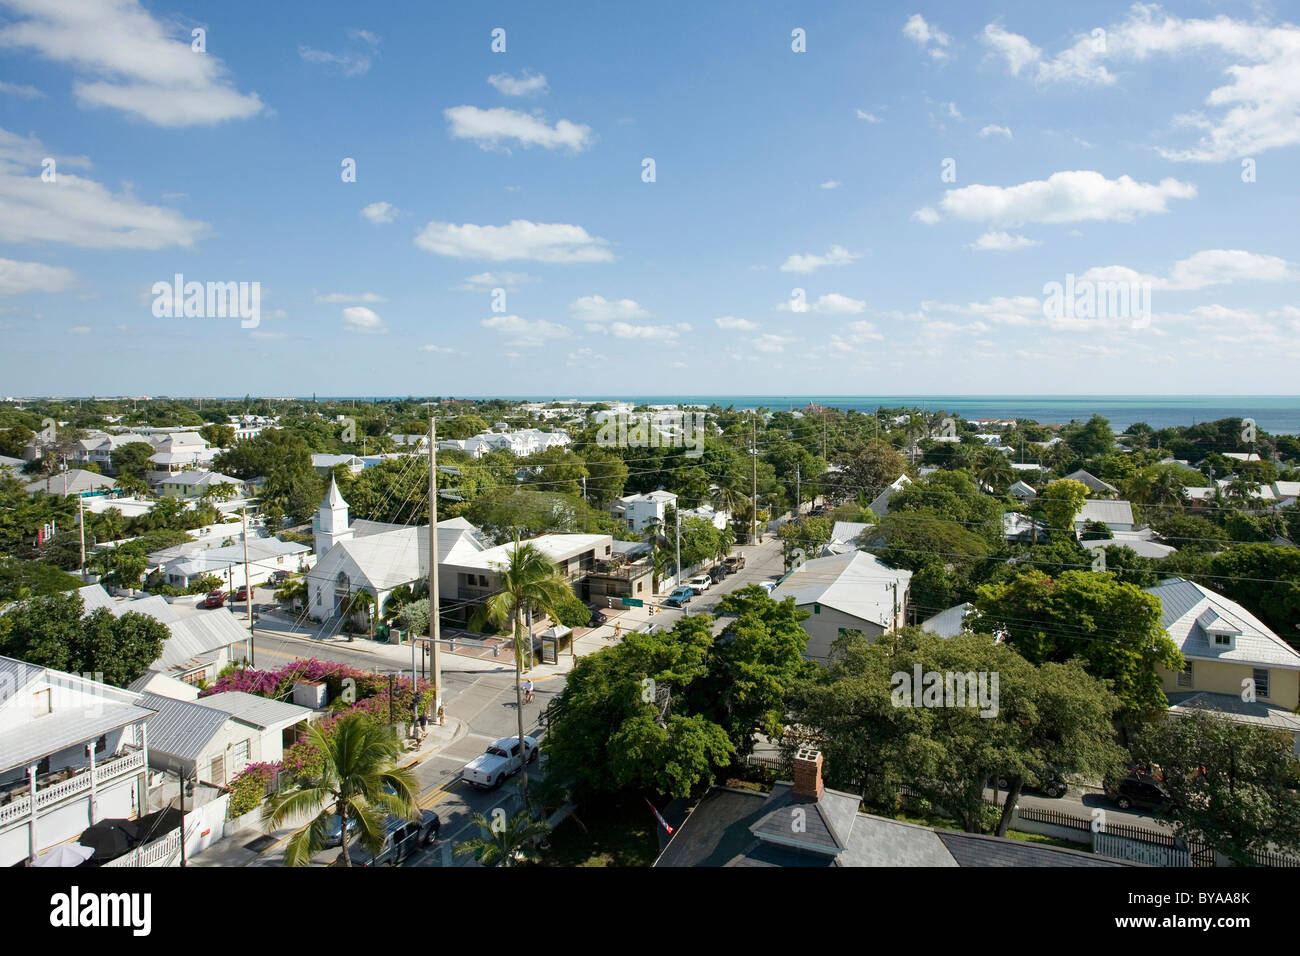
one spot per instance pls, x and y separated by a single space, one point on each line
1233 707
181 729
972 849
1189 609
1107 512
259 711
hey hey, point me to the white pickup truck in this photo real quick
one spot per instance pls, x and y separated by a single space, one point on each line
500 760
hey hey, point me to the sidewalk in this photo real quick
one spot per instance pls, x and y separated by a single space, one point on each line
267 849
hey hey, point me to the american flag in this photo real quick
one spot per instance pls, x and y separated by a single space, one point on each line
662 822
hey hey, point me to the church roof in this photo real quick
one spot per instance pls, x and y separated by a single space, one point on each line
335 498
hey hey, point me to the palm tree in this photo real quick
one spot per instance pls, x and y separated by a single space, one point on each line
994 470
730 492
1242 488
1059 457
726 540
963 456
292 591
508 840
361 601
529 581
359 780
1166 489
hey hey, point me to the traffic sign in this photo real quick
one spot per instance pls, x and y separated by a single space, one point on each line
633 602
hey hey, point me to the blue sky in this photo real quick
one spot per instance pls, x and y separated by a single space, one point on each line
1105 143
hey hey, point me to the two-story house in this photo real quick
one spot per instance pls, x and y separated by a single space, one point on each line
1235 665
72 752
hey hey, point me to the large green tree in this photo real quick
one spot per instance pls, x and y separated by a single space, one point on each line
1232 786
1114 627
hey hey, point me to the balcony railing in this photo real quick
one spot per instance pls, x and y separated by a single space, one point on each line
21 806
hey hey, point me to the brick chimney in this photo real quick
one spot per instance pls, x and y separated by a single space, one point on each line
808 773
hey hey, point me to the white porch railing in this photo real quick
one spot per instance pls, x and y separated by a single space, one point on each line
22 806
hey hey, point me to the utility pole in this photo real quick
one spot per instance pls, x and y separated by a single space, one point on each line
435 648
677 566
798 501
753 509
81 521
584 513
895 605
248 584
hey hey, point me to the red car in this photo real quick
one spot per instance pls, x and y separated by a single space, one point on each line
215 599
241 594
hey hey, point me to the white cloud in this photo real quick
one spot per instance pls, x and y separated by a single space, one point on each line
441 349
489 128
927 215
1002 242
139 66
585 357
523 332
1063 197
830 304
357 318
951 110
733 324
1205 268
520 239
380 212
773 343
350 64
992 130
496 280
831 184
79 211
334 297
1258 109
835 256
625 330
19 277
525 84
79 330
929 38
869 117
595 308
21 91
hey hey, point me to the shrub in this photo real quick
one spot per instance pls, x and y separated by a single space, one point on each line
572 612
248 789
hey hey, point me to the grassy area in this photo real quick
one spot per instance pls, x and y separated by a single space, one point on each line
619 831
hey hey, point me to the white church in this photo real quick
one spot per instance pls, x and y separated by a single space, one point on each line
378 558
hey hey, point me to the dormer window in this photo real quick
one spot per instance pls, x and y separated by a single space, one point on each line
1222 640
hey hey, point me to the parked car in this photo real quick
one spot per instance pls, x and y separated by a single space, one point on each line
241 594
1136 790
767 586
717 573
734 563
597 619
501 760
215 599
279 577
1051 784
333 830
402 838
700 583
680 597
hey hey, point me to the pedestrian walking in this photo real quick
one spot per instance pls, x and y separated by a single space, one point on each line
528 691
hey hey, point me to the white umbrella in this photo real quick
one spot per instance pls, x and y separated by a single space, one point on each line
66 854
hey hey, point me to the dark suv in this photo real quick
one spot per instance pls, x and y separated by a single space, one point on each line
402 838
1136 790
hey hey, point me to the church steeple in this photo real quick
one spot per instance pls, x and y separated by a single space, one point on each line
331 525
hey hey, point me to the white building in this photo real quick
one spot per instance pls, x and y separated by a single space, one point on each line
845 593
638 510
72 752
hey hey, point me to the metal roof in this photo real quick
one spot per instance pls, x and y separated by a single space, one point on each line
259 711
179 728
1107 512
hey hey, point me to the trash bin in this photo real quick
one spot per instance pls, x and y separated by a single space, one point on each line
381 633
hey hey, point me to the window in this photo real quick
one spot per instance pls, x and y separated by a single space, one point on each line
240 755
1222 640
318 599
639 585
101 744
1185 678
817 608
41 703
1261 682
193 677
